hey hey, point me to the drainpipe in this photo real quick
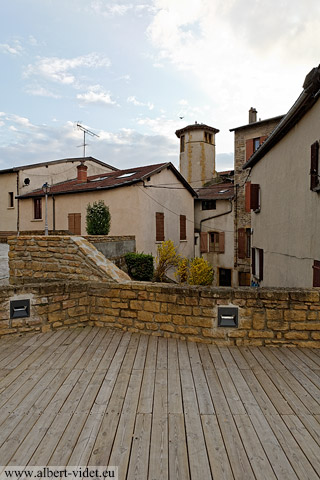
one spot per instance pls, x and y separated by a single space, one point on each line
216 216
53 213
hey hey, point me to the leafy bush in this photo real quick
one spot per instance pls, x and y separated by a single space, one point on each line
166 258
98 219
200 272
140 266
182 272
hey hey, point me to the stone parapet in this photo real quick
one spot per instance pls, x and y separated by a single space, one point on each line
267 317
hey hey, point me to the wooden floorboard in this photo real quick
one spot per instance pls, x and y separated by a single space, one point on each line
159 408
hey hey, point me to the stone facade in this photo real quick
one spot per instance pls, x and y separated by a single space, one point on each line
242 219
39 258
267 317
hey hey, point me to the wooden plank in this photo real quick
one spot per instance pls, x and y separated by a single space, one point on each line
217 359
292 450
259 393
140 359
231 394
238 459
267 360
158 461
147 388
178 454
312 354
174 384
256 455
122 443
272 447
310 448
219 461
139 456
305 390
239 358
200 381
306 358
312 425
217 394
162 354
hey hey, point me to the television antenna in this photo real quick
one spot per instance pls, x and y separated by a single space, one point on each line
85 131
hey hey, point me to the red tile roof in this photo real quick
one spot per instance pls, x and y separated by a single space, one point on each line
105 181
220 191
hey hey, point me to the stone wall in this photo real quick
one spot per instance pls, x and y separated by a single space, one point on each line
38 258
266 316
114 248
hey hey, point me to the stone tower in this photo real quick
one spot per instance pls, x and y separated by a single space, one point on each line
197 153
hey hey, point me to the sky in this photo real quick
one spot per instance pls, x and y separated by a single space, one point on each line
128 70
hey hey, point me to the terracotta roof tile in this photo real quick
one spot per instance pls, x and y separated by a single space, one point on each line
220 191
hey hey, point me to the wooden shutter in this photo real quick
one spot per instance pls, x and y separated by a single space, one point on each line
314 170
255 196
221 242
74 223
253 261
260 252
37 203
247 195
263 139
249 148
242 243
159 227
203 242
316 273
183 227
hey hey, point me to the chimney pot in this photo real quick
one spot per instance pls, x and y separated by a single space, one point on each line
82 173
252 115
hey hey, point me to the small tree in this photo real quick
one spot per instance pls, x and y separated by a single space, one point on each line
182 271
98 219
166 258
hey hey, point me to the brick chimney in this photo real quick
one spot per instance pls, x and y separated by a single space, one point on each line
82 173
252 115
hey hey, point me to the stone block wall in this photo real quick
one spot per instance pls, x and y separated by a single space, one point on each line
267 317
38 258
114 248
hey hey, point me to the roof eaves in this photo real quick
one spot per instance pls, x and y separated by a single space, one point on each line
257 124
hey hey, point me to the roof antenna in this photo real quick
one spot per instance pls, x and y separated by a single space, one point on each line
88 132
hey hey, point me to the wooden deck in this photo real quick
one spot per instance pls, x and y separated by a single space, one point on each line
159 409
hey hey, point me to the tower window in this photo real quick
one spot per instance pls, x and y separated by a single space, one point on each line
208 137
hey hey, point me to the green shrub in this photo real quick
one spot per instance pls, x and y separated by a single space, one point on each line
200 272
140 266
98 219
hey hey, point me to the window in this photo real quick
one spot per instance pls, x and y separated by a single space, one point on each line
257 263
74 223
252 197
208 204
224 277
183 227
10 200
244 279
37 210
216 242
159 227
182 138
314 170
316 273
248 242
208 137
252 144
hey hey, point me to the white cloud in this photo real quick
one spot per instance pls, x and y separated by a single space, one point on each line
96 97
14 49
137 103
39 91
108 9
60 70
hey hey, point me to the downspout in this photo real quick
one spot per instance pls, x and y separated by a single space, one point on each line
216 216
53 213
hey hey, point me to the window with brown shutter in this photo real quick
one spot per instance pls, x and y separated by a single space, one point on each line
260 252
316 273
253 261
247 194
241 243
314 170
204 242
74 223
257 264
255 197
37 209
159 227
183 227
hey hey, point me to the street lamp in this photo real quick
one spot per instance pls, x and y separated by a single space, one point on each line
46 189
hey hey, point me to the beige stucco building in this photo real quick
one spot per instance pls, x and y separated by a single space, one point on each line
284 196
138 199
24 179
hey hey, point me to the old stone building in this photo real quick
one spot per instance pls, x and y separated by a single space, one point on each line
247 139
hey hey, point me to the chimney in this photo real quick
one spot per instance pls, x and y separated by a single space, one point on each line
82 173
252 115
